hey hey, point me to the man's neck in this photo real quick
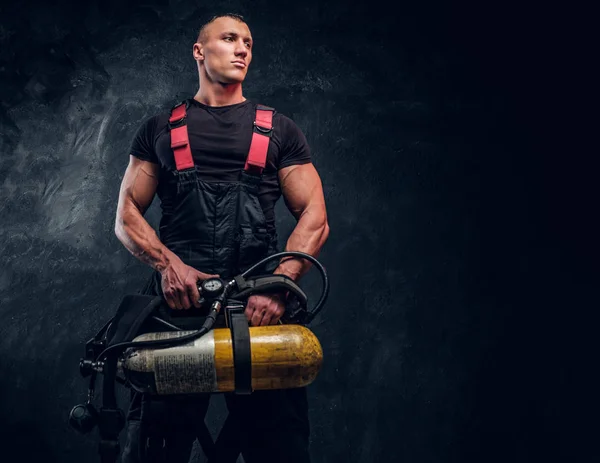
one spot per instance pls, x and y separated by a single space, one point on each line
216 94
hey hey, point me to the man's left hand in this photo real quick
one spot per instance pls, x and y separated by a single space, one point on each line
264 309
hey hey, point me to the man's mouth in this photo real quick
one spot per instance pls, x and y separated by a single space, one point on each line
239 63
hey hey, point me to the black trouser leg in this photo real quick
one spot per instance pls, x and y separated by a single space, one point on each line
268 426
163 429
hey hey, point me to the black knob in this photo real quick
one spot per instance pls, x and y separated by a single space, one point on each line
86 367
83 418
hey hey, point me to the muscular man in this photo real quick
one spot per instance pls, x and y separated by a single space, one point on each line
217 219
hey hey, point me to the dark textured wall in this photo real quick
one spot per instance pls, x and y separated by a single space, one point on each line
420 123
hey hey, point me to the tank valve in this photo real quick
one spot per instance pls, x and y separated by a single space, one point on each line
87 367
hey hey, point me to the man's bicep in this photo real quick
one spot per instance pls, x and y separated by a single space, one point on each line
302 189
139 184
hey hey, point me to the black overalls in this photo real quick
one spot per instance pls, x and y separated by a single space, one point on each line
219 228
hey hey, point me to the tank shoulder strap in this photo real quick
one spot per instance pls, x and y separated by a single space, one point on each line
262 133
180 142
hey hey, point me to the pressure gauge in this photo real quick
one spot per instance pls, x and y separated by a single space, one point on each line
211 287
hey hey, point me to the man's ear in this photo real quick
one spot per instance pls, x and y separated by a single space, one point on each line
198 51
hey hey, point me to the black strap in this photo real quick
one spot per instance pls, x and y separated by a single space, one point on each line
133 311
242 356
205 440
110 423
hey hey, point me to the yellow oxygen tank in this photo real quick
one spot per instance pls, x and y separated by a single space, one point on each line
283 356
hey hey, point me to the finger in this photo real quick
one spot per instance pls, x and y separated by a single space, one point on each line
170 300
257 317
249 308
177 300
266 320
277 314
276 317
205 276
167 292
193 294
176 295
171 296
184 299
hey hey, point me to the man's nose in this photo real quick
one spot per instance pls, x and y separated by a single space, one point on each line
241 49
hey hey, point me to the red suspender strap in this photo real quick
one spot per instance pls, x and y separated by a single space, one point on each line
179 137
262 132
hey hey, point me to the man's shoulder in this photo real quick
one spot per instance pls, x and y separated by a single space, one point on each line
156 120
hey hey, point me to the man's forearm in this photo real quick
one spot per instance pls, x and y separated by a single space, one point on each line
140 239
308 236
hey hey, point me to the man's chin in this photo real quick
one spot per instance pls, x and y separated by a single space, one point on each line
233 78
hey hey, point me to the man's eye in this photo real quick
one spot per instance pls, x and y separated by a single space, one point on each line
228 38
248 44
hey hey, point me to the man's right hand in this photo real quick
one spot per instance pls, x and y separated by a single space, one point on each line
180 284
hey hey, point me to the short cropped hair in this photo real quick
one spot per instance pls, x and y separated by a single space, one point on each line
237 17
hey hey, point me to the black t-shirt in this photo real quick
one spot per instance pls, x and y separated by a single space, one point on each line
220 140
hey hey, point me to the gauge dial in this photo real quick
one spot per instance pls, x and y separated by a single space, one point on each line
212 285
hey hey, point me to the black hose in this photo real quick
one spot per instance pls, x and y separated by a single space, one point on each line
324 292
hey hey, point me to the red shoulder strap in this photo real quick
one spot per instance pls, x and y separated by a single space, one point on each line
262 132
180 141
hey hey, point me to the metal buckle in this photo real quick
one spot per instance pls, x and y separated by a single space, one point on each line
263 130
177 123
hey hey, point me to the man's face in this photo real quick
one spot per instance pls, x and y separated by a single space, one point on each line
225 49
